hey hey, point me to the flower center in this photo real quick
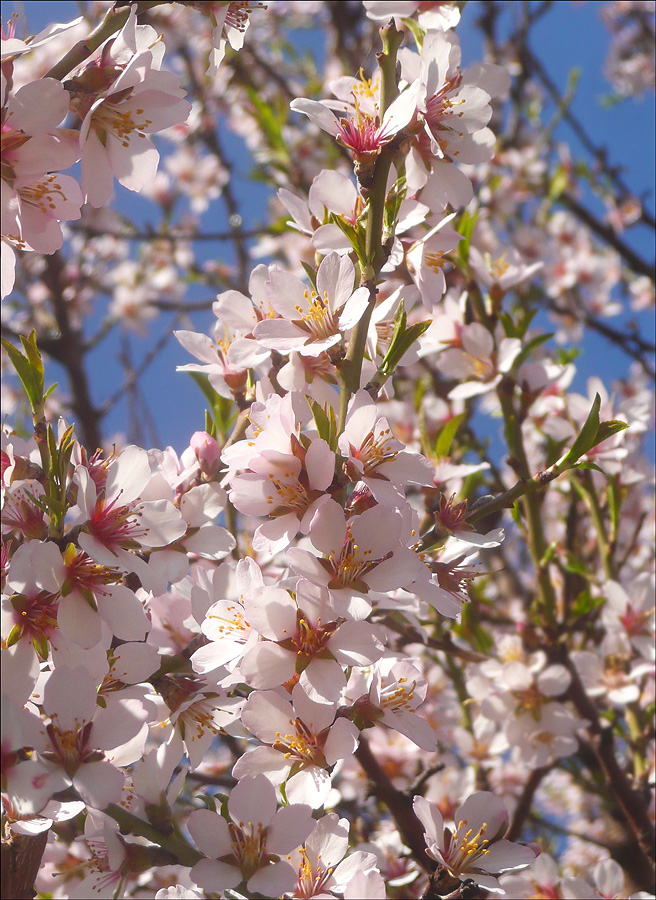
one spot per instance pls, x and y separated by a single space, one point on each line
249 844
469 847
303 746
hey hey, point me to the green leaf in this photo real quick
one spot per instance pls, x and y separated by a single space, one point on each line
417 31
29 369
585 603
587 437
615 496
574 565
402 340
49 391
221 408
210 425
465 227
585 464
608 429
311 273
526 351
447 434
356 235
324 418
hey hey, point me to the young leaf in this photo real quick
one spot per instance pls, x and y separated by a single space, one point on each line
587 437
447 434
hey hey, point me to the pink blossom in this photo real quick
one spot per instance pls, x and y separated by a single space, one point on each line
474 848
251 846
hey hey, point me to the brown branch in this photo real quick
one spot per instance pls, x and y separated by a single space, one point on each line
631 805
69 350
524 804
21 860
398 803
608 234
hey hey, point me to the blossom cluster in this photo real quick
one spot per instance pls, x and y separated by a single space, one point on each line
218 665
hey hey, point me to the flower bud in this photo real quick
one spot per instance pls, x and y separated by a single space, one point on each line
207 451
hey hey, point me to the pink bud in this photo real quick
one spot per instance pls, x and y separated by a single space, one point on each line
208 452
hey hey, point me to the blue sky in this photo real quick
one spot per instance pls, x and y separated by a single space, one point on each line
571 35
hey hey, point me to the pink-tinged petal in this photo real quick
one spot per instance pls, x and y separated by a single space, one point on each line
134 662
355 308
128 476
253 799
356 862
400 112
307 565
418 730
210 542
267 665
272 612
330 238
329 841
333 190
280 334
38 106
342 742
210 833
287 294
554 681
317 347
199 345
320 465
273 880
318 716
163 523
275 534
133 166
265 714
97 175
323 681
319 114
212 875
78 622
366 884
480 808
506 856
289 827
8 262
328 529
298 210
376 530
477 340
444 602
30 785
36 564
235 309
118 722
310 786
354 644
123 612
335 279
262 761
431 818
70 698
99 783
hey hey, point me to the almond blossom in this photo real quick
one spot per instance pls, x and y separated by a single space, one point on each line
312 321
304 740
374 456
478 361
475 847
304 641
250 847
323 870
135 99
